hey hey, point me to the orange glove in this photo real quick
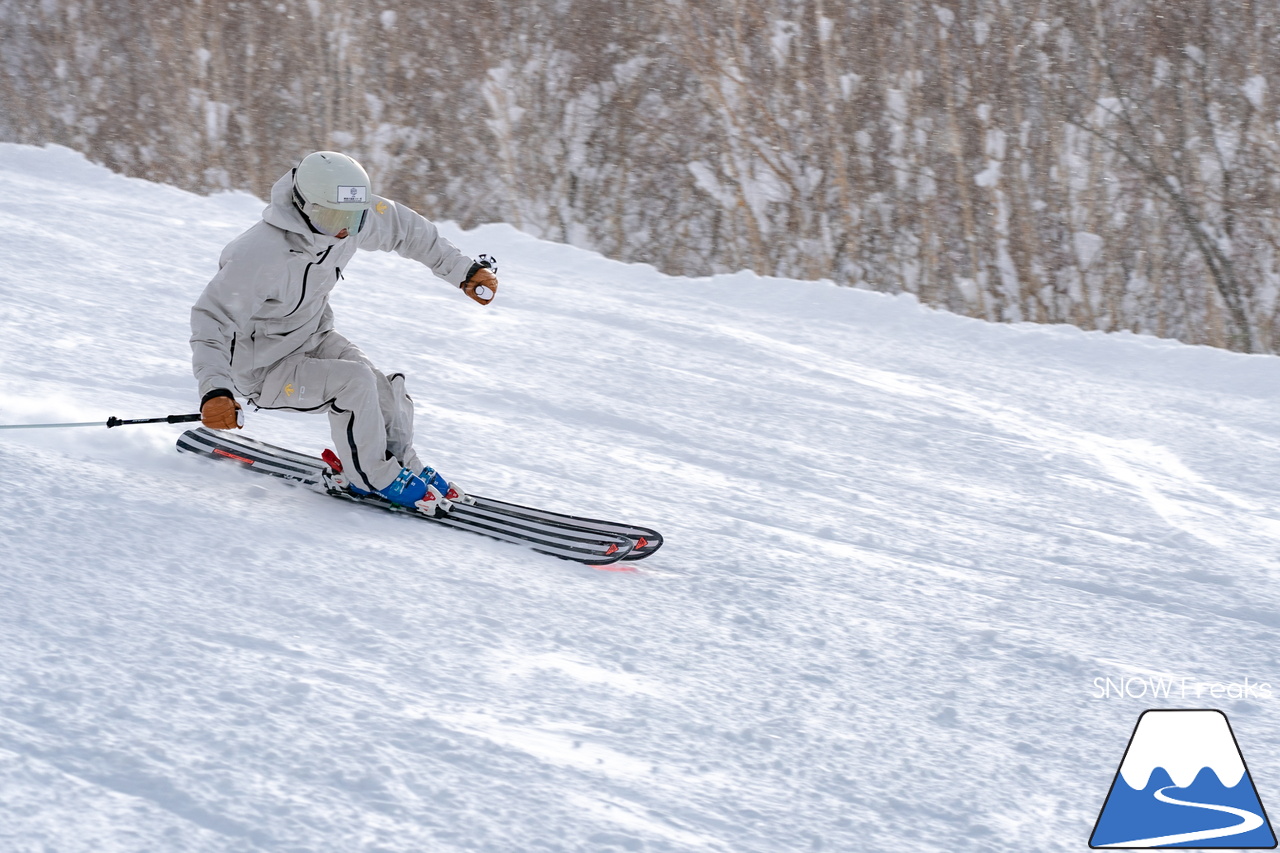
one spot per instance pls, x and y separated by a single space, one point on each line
219 410
482 286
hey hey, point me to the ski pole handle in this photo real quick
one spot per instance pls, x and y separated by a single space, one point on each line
169 419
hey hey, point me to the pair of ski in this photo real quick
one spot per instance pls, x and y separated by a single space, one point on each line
583 540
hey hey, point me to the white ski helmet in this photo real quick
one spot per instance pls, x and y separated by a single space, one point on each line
333 191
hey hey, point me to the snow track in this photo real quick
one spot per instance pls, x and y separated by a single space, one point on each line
900 546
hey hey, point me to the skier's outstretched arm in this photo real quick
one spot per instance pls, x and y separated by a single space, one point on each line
395 228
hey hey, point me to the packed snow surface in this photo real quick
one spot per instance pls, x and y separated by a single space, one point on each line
917 570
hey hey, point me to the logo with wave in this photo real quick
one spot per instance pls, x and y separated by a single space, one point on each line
1183 783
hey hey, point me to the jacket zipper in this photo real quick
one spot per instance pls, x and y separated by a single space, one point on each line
305 274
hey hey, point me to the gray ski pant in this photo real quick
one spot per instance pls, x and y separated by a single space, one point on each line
370 415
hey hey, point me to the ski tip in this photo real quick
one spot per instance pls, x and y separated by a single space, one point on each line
644 545
612 557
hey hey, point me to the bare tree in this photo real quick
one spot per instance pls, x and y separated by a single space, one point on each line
1108 163
1176 104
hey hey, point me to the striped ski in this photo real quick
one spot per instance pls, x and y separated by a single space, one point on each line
588 541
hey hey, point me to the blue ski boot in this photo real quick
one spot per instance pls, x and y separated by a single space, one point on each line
406 490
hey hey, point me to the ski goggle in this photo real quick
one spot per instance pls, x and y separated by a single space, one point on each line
332 221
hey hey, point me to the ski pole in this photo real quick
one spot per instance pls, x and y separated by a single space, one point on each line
111 422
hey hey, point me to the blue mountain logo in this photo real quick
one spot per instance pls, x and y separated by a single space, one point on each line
1183 783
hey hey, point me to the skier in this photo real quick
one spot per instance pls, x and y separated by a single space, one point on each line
263 328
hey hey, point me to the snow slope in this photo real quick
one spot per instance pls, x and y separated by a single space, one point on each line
901 548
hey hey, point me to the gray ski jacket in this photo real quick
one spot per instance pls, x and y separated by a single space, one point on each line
270 297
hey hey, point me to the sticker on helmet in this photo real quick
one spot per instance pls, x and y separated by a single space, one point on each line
353 195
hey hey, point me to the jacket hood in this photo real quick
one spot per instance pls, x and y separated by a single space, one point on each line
282 213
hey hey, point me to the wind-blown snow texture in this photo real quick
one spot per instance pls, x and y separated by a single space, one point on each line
901 545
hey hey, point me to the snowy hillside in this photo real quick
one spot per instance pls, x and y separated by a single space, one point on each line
900 548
